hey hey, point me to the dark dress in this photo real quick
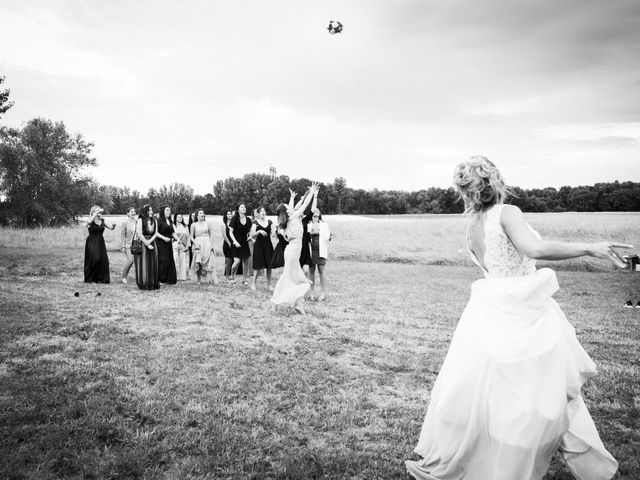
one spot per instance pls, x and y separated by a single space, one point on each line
263 248
96 261
226 248
147 262
166 263
305 252
277 260
240 232
316 259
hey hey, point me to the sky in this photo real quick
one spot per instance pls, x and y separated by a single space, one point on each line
199 91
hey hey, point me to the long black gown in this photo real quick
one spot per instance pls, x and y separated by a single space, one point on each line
305 252
96 261
166 263
147 262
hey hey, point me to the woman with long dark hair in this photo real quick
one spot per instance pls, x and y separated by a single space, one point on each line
262 248
146 263
239 228
166 233
293 283
192 220
226 243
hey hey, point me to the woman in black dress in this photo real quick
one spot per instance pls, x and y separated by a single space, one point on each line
166 232
226 243
96 261
261 232
239 229
146 262
305 253
192 219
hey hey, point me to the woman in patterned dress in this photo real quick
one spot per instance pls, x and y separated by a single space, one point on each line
181 247
203 263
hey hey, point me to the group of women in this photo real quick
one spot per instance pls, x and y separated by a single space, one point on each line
508 395
173 250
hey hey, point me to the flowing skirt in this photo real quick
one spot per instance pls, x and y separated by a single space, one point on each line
203 262
508 394
96 261
146 265
181 259
293 283
262 252
166 263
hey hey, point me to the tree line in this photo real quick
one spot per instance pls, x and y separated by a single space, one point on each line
42 183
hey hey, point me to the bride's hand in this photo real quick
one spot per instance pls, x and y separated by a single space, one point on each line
605 251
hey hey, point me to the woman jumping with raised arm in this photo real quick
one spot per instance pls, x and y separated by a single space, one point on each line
292 284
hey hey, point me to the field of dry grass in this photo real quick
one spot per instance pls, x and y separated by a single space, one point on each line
204 381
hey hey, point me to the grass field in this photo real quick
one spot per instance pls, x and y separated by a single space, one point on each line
204 381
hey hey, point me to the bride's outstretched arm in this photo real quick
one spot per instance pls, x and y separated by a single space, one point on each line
291 199
311 194
530 245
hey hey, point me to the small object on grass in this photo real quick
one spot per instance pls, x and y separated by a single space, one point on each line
629 304
77 294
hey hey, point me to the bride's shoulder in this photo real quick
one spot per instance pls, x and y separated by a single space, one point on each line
510 211
511 216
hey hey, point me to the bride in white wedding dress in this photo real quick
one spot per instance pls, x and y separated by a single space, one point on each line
508 394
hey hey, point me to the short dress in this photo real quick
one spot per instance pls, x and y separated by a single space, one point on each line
305 250
277 260
314 235
240 232
263 248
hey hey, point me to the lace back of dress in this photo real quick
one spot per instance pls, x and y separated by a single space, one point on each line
501 258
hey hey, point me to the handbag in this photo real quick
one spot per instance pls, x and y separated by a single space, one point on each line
136 245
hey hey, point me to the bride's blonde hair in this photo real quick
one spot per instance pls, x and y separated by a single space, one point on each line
479 183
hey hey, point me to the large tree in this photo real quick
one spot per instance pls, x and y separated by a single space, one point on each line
41 178
5 104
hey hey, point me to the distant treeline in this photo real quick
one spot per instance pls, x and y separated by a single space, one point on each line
256 189
42 182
